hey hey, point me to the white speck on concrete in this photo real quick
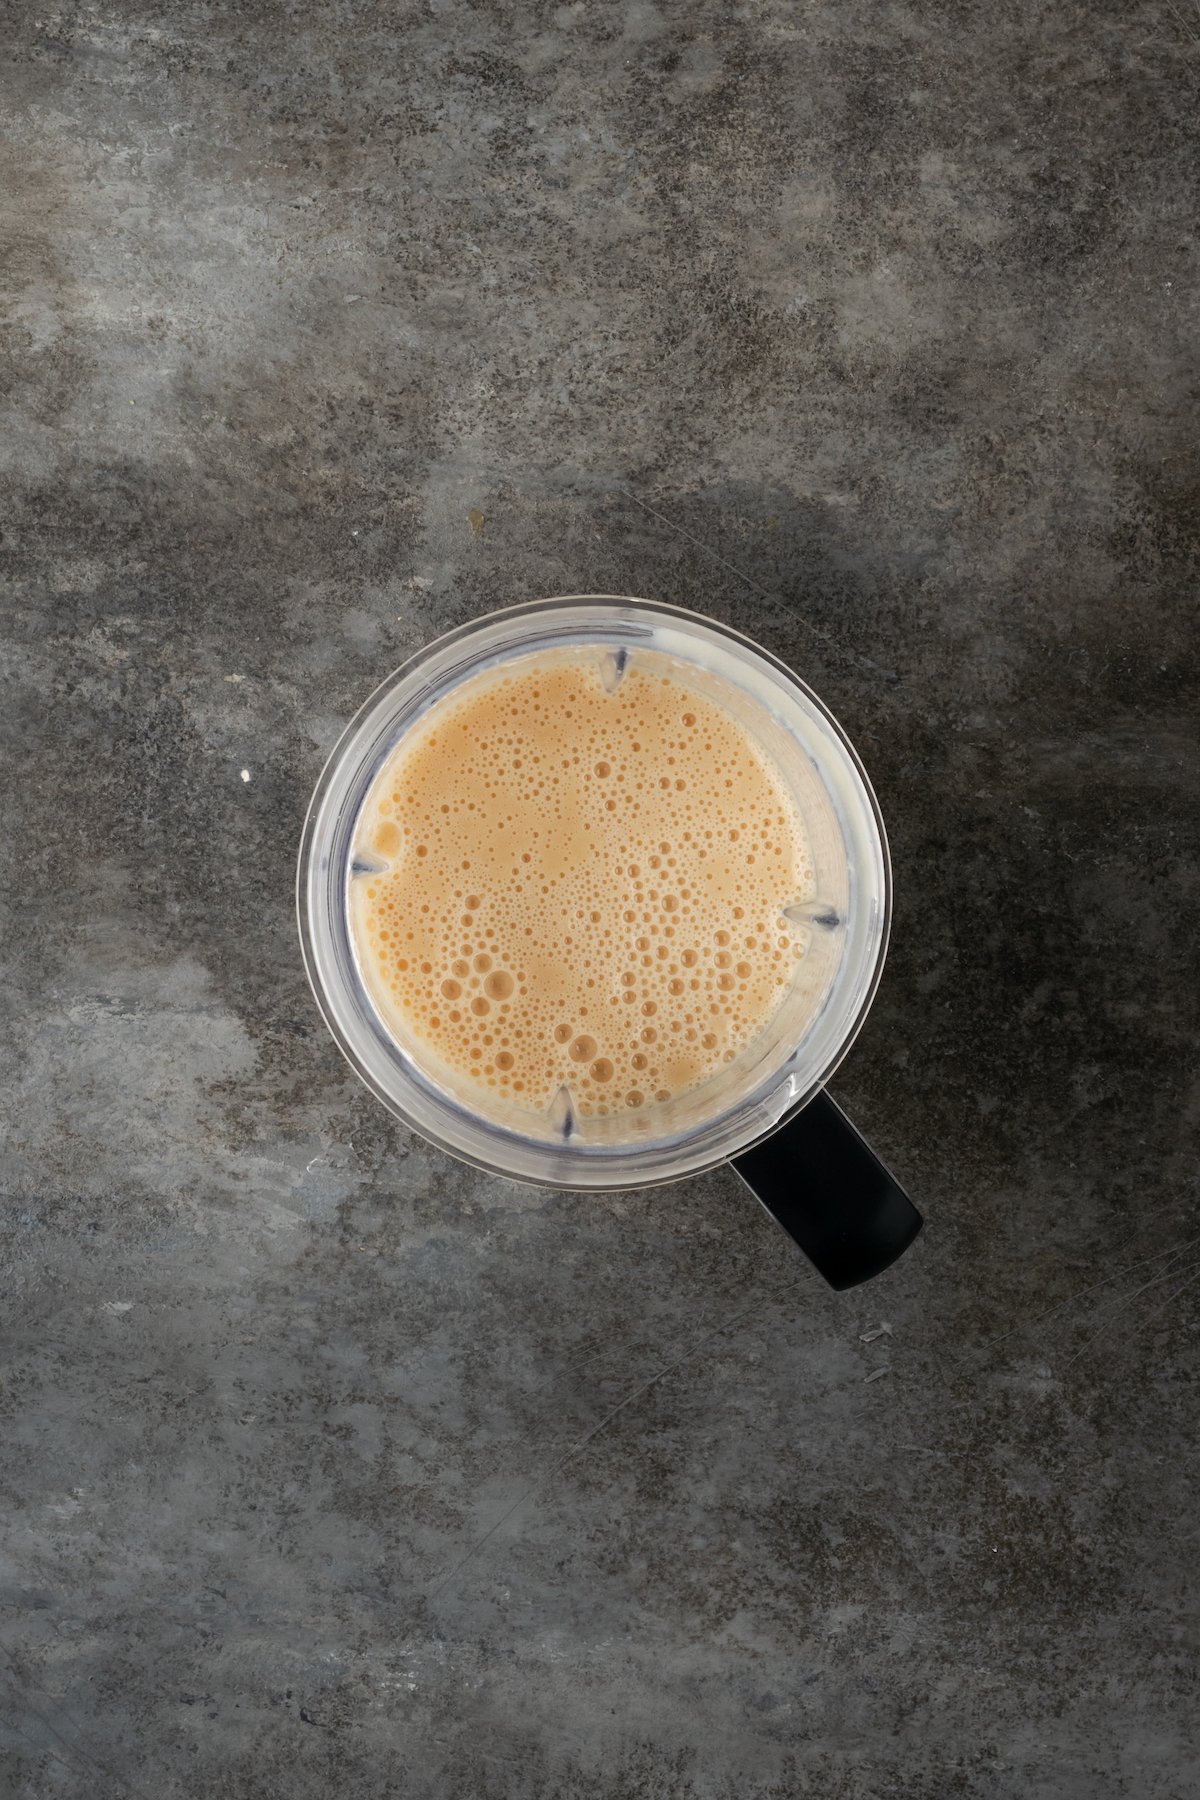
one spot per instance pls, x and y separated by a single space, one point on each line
245 774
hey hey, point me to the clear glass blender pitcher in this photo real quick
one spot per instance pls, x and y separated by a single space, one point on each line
766 1112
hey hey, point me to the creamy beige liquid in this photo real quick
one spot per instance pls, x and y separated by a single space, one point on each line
583 884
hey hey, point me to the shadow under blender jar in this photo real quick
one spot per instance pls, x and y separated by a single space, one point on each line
766 1112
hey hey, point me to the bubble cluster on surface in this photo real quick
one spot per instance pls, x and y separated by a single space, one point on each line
578 882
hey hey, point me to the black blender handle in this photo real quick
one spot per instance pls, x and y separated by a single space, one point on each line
820 1179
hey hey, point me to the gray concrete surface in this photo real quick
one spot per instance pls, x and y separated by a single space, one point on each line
328 1467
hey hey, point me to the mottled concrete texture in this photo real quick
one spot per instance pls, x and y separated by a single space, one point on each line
328 1467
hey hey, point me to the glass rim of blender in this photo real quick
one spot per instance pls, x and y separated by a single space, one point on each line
616 1165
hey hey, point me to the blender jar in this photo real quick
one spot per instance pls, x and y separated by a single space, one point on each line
817 1176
